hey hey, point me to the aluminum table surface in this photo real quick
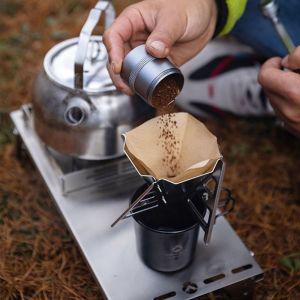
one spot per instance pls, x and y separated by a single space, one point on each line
111 252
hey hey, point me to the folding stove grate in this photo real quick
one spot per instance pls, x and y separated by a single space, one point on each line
207 189
93 176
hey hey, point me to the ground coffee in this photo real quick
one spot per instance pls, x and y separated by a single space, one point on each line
164 95
169 142
164 100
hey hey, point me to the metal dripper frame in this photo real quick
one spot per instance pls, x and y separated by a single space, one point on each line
149 199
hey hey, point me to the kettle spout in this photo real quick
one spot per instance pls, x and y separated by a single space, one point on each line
77 112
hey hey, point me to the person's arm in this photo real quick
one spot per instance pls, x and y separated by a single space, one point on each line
178 29
229 12
283 88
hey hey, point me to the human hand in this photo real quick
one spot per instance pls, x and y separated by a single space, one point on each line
177 29
283 88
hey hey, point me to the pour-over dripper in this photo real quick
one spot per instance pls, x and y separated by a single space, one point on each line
197 150
199 168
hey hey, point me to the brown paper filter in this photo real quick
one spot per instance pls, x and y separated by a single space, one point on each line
197 148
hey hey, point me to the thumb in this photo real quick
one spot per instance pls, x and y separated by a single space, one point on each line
292 61
166 32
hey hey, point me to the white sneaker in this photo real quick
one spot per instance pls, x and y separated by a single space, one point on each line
223 78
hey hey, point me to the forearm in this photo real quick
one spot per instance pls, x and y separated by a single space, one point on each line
229 12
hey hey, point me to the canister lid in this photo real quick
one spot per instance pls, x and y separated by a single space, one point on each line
60 60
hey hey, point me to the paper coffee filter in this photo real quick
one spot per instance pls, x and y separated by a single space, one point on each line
198 148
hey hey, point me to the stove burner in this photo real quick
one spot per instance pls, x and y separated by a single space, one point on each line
76 176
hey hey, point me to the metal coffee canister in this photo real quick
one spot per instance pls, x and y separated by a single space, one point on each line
144 73
77 109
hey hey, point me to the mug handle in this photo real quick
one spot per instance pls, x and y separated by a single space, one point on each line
227 204
85 36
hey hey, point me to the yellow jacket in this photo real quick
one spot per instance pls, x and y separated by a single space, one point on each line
236 9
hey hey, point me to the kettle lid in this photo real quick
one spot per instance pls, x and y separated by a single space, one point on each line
59 65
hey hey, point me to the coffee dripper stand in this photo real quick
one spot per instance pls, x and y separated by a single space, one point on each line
158 189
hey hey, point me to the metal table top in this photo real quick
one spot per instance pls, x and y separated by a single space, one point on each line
111 252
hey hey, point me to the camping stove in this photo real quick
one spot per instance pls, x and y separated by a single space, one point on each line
90 195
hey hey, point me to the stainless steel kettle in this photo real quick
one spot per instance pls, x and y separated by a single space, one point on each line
77 109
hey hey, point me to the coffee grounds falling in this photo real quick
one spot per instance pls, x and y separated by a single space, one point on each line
164 100
170 144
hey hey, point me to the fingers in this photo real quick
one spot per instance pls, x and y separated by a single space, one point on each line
167 31
118 82
284 83
286 111
292 61
270 74
281 106
121 31
283 90
115 47
118 41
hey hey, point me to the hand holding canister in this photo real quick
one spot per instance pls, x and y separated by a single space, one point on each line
156 80
177 29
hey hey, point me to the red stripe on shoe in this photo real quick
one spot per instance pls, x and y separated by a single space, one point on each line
218 111
222 66
211 90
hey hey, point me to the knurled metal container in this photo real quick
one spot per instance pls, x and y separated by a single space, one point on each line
143 72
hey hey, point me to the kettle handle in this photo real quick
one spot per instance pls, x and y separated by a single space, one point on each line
85 36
